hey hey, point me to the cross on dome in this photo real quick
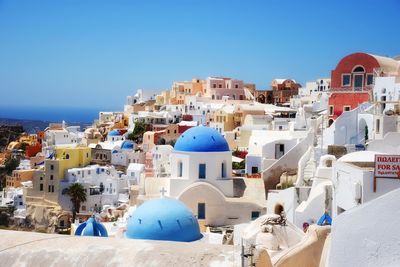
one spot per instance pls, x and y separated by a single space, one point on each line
163 191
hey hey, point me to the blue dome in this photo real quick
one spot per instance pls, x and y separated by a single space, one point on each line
91 228
127 145
163 219
114 133
201 139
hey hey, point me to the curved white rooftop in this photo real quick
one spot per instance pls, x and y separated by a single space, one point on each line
360 156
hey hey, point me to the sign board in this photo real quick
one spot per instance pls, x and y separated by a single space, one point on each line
386 166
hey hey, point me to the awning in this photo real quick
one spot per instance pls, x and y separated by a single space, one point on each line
237 159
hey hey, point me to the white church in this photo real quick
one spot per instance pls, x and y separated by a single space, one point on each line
201 177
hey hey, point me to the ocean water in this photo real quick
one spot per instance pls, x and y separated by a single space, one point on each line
51 114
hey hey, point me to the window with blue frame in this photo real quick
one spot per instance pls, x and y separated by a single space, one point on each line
201 211
202 171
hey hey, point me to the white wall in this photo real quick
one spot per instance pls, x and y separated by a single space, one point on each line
368 235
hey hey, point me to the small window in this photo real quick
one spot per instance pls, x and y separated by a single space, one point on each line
254 170
51 177
255 215
201 211
49 189
202 171
41 187
330 110
345 79
220 86
346 108
67 156
223 170
370 79
51 167
378 126
20 203
180 169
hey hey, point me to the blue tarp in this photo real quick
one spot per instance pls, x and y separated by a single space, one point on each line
325 220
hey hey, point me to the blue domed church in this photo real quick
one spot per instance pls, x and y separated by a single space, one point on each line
163 219
201 168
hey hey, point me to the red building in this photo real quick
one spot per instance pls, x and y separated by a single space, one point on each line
353 79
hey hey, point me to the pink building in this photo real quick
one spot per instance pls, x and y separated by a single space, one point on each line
218 87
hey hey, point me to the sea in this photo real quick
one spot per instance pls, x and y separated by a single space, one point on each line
51 114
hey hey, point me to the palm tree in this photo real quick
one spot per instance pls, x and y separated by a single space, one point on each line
78 195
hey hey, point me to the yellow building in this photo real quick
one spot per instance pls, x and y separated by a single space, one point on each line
225 115
71 157
64 158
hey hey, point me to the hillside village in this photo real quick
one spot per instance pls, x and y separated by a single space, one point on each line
275 173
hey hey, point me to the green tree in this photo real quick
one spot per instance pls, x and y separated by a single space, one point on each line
78 195
11 164
23 146
137 134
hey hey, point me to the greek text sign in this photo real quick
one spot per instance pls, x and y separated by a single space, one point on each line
387 166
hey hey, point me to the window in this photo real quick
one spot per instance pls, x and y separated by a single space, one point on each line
20 203
345 79
201 211
219 85
346 108
87 155
41 178
359 69
378 125
52 188
67 156
236 86
370 79
49 189
330 110
51 167
254 169
255 215
202 171
214 85
180 169
358 81
223 170
51 177
41 187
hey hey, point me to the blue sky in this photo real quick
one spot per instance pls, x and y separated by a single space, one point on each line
94 53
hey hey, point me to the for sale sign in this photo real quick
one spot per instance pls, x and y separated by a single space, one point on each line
386 166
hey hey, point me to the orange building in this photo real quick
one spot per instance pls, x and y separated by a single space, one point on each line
19 176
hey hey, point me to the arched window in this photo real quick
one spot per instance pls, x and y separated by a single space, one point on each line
358 77
358 69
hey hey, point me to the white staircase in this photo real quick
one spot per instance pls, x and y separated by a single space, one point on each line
309 170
